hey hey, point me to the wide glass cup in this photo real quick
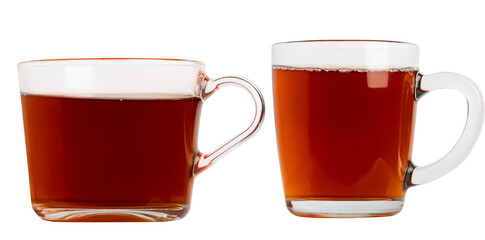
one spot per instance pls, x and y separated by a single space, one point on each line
116 139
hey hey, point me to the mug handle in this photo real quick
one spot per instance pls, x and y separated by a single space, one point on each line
203 161
469 136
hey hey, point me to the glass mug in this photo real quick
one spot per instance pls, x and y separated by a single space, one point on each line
344 113
116 139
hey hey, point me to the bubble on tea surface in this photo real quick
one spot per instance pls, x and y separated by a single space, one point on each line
342 69
117 96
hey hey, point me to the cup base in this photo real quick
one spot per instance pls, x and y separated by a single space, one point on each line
344 208
117 214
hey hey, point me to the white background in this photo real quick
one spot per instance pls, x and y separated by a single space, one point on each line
241 197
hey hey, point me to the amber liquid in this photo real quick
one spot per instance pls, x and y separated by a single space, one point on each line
110 153
344 134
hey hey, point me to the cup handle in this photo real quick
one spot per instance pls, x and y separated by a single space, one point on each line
462 148
203 161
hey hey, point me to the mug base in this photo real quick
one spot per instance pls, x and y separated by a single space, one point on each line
108 214
344 208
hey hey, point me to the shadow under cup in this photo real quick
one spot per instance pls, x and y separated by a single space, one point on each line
344 113
116 139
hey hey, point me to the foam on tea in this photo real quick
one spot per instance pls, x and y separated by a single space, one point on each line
111 96
336 68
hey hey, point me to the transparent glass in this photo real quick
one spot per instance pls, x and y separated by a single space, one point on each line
116 139
344 113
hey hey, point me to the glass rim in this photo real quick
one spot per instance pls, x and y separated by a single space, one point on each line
95 61
346 41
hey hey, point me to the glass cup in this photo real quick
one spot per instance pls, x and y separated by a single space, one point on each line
116 139
344 113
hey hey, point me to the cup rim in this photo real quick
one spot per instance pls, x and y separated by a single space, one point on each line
105 60
344 41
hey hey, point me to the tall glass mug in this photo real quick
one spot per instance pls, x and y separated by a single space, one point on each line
345 113
116 139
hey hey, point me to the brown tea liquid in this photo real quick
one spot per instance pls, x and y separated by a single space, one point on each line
344 134
110 153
